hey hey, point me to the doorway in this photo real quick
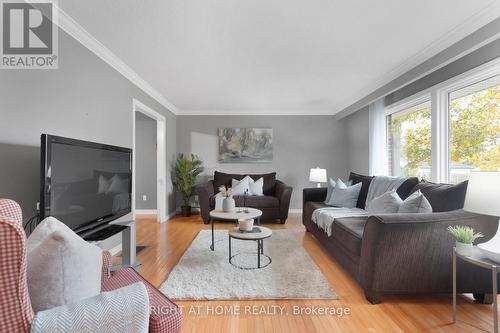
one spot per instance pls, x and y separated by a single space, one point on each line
148 162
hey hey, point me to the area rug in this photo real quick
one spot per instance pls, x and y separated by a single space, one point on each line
202 274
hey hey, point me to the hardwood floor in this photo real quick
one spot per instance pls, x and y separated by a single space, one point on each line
167 242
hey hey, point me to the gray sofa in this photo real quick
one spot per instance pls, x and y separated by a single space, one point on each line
404 253
274 204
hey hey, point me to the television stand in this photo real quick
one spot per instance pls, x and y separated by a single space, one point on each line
104 233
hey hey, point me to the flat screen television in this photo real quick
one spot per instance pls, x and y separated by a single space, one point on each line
84 184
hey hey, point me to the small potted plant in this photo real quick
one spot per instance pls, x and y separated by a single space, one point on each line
228 204
187 168
464 237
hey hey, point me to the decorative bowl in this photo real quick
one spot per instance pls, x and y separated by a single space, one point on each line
245 224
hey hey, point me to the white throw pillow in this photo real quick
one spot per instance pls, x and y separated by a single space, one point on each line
331 185
345 196
239 187
416 203
257 186
387 203
62 267
121 310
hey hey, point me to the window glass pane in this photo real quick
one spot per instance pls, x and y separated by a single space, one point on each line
474 129
409 141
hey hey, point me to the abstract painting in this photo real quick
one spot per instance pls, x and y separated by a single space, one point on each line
245 145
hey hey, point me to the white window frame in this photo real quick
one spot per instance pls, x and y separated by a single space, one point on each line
440 118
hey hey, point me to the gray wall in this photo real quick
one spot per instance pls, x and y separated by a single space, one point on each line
482 36
300 143
481 56
85 98
357 141
357 123
145 162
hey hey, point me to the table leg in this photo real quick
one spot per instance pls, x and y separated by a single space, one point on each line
229 248
454 315
262 246
258 253
495 310
212 247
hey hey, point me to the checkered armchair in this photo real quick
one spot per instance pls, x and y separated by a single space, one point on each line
16 313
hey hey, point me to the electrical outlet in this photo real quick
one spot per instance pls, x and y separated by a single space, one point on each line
37 206
144 198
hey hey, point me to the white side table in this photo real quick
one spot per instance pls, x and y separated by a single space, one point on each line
477 258
239 213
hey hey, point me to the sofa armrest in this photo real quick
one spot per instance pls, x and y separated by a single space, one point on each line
413 252
284 193
315 194
205 192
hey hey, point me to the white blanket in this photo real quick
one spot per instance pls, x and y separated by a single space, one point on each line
324 217
382 184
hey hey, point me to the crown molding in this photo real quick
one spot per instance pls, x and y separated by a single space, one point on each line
475 22
75 30
258 112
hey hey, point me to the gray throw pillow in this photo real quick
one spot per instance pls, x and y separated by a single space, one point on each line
331 185
416 203
345 196
387 203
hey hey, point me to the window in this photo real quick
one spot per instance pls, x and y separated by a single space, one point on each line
474 123
449 130
409 141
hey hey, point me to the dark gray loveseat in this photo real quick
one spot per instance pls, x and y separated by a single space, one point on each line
274 204
404 253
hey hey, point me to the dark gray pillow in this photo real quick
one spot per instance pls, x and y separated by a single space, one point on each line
443 197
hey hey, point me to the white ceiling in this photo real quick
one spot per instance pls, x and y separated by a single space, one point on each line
278 56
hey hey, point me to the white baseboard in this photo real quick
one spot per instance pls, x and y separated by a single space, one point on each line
146 211
295 211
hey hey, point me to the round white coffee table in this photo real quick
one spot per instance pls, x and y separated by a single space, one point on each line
239 213
258 236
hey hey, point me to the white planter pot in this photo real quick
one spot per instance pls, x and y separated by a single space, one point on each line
228 205
245 224
463 249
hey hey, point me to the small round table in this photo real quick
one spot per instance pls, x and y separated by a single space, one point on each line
476 258
239 213
251 236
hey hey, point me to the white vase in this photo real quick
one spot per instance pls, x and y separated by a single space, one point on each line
463 249
228 205
245 224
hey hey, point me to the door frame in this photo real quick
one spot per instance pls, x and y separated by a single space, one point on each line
161 158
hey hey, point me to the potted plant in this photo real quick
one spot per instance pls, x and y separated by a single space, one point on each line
228 204
464 237
187 168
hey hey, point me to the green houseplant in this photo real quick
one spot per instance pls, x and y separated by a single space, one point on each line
187 168
464 237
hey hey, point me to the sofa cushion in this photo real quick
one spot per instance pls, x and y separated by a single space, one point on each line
404 190
348 231
221 178
261 201
365 181
443 197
